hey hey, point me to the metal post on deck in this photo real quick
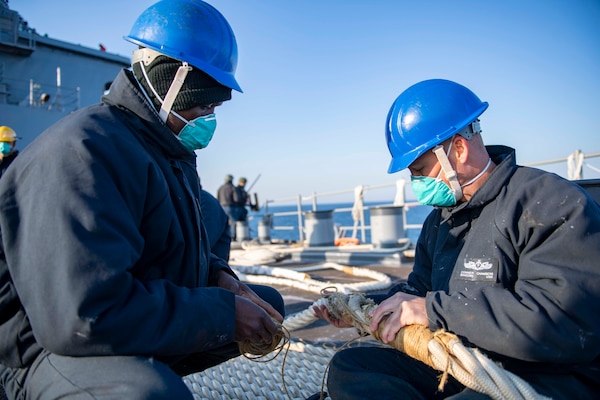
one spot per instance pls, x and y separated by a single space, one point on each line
300 226
358 213
400 199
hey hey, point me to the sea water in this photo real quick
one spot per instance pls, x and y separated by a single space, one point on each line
285 220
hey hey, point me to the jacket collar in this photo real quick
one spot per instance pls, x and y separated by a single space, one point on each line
505 160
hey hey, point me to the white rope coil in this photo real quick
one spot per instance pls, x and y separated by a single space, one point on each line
253 257
295 278
243 379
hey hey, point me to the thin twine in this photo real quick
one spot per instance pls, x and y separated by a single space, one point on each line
342 347
281 340
256 351
361 332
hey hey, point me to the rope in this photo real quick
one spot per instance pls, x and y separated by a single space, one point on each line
592 167
303 318
256 351
304 365
252 255
288 277
357 209
267 353
575 164
240 379
297 278
440 350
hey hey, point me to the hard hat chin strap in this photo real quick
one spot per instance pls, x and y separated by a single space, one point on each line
145 56
448 170
173 91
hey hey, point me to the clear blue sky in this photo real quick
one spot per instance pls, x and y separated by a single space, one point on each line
320 75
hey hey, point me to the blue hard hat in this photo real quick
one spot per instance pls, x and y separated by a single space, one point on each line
425 115
191 31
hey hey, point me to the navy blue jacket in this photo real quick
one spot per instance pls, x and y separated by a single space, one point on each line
7 160
515 270
104 251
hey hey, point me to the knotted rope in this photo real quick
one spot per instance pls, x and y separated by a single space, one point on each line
265 352
440 350
256 351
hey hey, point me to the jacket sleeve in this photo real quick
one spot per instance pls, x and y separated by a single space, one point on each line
217 265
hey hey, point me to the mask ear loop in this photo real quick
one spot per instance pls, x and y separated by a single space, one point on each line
479 175
448 171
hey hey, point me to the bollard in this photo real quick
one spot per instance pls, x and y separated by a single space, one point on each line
319 228
387 226
264 229
242 231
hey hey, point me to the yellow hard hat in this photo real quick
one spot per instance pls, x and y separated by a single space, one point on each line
7 134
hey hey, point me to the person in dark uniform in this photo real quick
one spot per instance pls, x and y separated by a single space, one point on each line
226 195
507 260
8 147
108 287
242 199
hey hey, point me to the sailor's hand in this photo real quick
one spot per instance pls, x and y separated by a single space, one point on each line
323 313
252 323
226 281
401 309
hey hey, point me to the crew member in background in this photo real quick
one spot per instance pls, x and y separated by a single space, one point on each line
226 195
242 199
8 147
507 260
108 285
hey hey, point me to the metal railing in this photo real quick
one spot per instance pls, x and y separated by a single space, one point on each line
49 96
575 163
358 210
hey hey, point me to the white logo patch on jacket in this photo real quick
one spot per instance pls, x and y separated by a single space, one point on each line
479 269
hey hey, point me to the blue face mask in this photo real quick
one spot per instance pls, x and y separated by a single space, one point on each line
197 134
432 191
5 148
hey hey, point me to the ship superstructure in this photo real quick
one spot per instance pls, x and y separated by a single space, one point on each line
43 79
